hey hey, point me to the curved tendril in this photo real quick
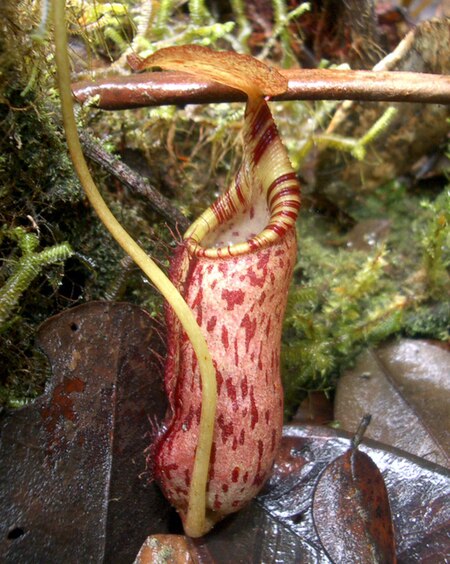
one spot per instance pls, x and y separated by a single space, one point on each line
195 524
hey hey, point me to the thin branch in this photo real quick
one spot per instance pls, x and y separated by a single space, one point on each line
135 182
163 88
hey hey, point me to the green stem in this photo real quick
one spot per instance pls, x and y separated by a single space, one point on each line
195 521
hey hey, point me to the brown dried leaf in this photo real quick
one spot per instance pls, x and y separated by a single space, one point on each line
71 464
278 525
418 494
405 386
351 511
175 549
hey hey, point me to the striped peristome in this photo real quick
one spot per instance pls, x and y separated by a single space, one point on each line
233 269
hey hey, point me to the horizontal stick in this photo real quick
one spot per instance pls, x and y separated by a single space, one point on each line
164 88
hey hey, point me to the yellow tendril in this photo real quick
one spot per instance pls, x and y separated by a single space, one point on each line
195 523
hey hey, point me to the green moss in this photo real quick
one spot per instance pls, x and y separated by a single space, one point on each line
343 300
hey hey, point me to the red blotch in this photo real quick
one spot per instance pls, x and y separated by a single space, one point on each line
260 450
212 460
211 323
225 488
197 303
253 409
267 416
249 326
223 268
263 261
273 360
235 474
236 354
219 380
260 364
231 391
194 363
259 478
274 438
226 428
233 297
244 387
245 477
235 443
242 437
255 280
225 341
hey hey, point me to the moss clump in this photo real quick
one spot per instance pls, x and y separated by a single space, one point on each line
344 299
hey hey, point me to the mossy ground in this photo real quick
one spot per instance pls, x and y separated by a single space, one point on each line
342 299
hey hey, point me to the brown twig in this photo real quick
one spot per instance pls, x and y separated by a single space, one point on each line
136 183
163 88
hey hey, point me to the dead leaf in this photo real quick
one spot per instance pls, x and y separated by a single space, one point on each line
72 468
278 525
173 549
405 386
418 494
351 511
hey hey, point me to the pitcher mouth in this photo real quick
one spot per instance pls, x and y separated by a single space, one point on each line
260 206
250 227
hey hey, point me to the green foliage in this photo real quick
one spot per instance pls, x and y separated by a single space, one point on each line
436 246
26 268
344 299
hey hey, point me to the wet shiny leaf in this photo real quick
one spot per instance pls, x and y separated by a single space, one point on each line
351 511
72 465
278 526
405 386
418 494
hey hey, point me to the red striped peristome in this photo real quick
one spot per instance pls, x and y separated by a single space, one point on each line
233 269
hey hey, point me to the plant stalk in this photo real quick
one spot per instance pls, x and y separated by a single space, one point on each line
197 492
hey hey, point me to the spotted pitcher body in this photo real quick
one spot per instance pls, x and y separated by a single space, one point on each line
233 269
